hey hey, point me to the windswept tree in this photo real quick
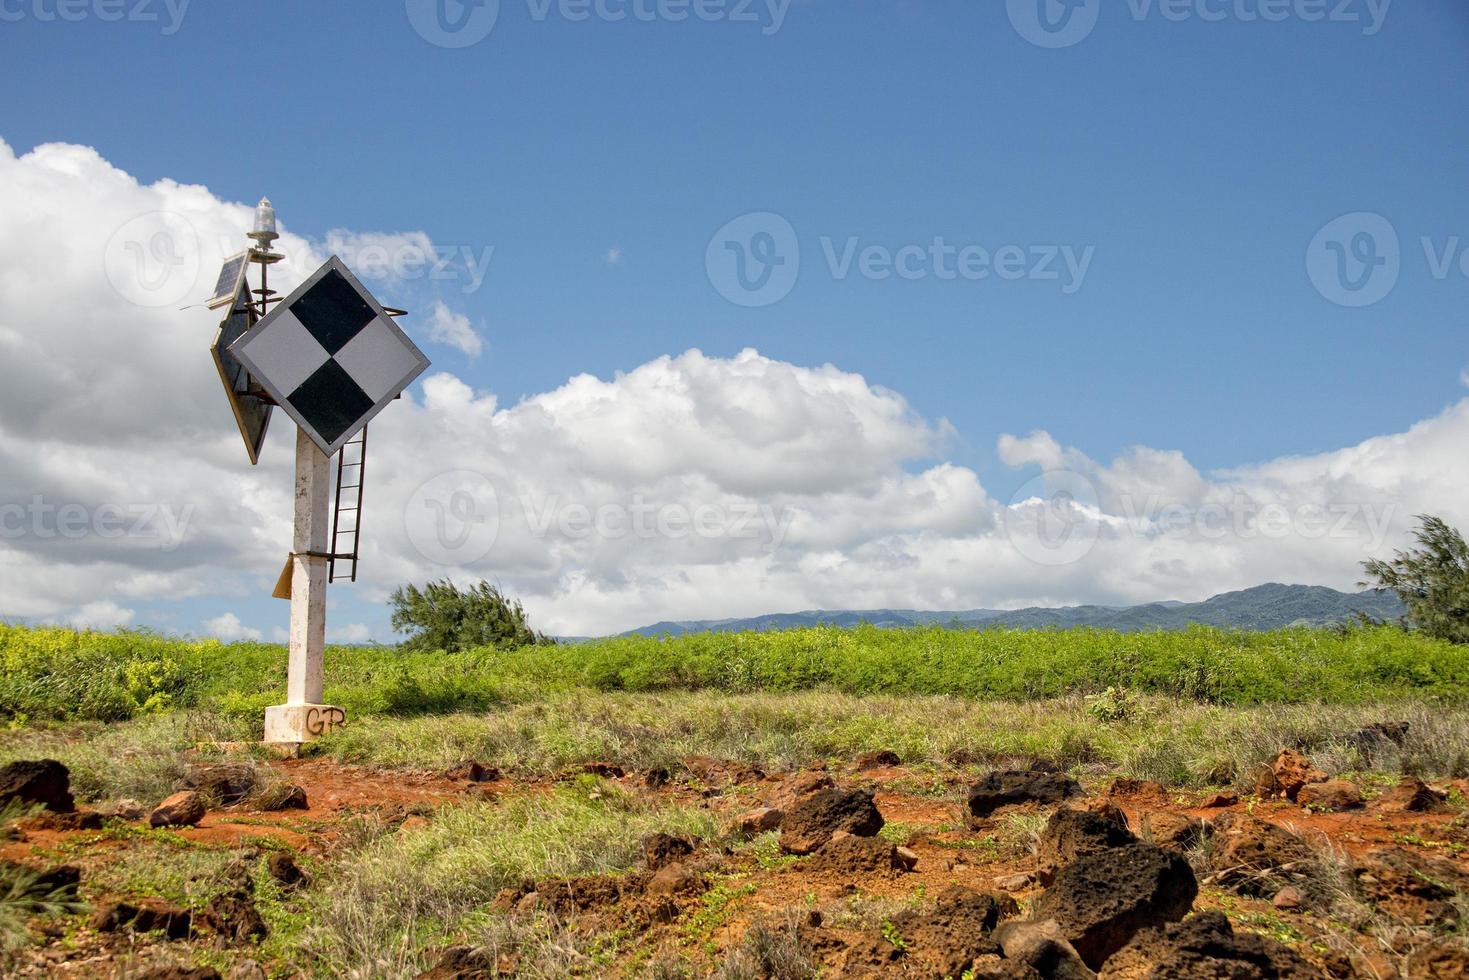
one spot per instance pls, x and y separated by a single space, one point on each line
1432 580
441 616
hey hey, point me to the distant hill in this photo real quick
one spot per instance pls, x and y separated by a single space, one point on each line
1264 607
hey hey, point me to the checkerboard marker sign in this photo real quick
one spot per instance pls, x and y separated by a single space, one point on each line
330 357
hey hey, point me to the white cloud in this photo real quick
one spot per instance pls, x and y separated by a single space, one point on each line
350 633
228 628
690 486
454 329
614 255
101 615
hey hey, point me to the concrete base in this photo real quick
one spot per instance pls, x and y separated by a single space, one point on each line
297 723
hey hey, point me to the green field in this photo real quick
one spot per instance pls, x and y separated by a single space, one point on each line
1194 707
52 674
130 713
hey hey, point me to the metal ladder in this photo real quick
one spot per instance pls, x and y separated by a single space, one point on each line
351 474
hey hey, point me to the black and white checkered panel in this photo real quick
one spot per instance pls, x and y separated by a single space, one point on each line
331 358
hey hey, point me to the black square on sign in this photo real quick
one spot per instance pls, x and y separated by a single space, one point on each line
332 311
331 401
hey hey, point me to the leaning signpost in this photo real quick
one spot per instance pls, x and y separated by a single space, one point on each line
330 356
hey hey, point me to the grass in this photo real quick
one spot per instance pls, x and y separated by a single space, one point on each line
407 890
57 674
1178 743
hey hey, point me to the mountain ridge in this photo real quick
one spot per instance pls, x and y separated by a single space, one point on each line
1262 607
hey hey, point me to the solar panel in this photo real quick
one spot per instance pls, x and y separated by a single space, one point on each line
251 411
231 275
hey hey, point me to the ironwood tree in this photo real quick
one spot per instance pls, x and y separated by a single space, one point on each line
1431 579
442 616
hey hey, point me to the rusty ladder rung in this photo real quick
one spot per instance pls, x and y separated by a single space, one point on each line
339 532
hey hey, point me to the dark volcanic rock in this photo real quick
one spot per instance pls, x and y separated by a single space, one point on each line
662 849
43 782
225 783
810 822
174 922
1206 947
1011 786
233 918
1411 795
1247 851
880 759
1072 834
284 869
1418 890
1102 901
851 856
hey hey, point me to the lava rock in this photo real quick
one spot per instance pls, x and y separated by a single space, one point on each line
1009 787
1042 947
1411 796
760 821
1101 902
183 809
233 918
40 782
1073 833
1334 794
662 849
1206 945
282 866
282 796
880 759
1287 774
810 822
174 922
1247 851
1417 890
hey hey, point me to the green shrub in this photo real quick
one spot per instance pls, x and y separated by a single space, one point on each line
441 616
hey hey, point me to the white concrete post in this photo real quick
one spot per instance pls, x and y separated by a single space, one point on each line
303 717
308 576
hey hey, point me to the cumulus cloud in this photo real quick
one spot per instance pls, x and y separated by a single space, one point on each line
102 615
689 486
454 330
228 628
350 633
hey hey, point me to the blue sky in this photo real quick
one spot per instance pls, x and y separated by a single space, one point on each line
1195 158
